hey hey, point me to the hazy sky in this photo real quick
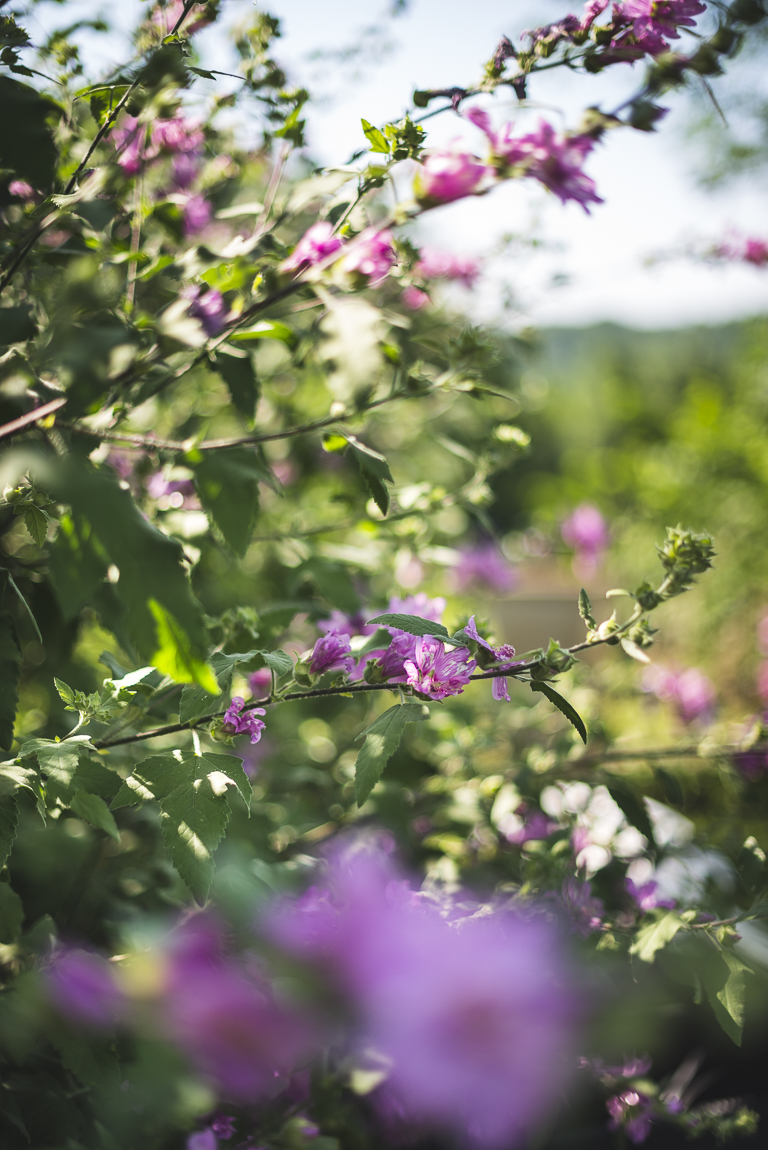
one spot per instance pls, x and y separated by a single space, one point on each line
652 200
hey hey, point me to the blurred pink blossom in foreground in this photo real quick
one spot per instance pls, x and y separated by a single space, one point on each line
586 531
448 174
484 565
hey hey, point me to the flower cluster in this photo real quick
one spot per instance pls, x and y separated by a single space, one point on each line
636 28
555 160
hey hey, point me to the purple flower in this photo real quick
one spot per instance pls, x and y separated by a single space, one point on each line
202 1140
260 681
332 653
421 605
317 242
536 826
586 531
433 671
630 1068
348 624
223 1126
435 265
653 20
247 724
415 299
476 1016
370 255
582 910
756 252
448 174
501 656
209 307
751 765
22 189
550 35
177 135
692 693
645 895
554 160
631 1111
196 214
230 1026
391 663
82 987
484 565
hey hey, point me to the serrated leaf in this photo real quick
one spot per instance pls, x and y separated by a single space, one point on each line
415 625
565 708
227 482
10 657
278 661
634 808
382 739
377 139
94 810
36 523
58 761
194 793
237 370
653 936
732 996
374 470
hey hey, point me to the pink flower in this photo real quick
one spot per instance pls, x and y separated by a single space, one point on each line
435 265
631 1112
536 826
165 16
370 254
653 22
586 531
435 672
756 252
202 1140
554 160
247 724
177 135
317 242
196 214
82 987
448 174
332 653
22 189
391 664
415 299
692 693
260 681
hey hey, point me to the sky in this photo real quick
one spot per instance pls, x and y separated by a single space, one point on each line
585 268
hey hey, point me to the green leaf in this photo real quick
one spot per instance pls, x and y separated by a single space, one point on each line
334 582
162 618
26 142
633 807
174 655
268 329
729 1001
36 523
10 657
671 784
16 323
278 661
415 625
11 914
374 470
585 609
655 935
94 810
236 369
9 820
557 700
227 482
58 760
194 793
382 739
378 140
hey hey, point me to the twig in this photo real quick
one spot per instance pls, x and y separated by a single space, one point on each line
31 417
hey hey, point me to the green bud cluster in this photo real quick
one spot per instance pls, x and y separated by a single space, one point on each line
684 555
